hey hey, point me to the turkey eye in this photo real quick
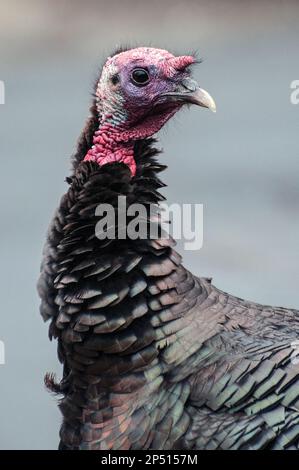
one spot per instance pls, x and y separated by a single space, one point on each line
140 77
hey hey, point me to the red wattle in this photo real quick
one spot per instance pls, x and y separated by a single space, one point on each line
107 150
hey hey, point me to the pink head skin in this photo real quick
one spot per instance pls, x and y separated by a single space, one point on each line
138 91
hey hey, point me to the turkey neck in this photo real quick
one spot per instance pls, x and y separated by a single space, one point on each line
115 137
108 147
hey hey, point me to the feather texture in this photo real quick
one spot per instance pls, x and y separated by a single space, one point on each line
154 357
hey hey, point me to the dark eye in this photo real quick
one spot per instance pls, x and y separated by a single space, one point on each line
140 77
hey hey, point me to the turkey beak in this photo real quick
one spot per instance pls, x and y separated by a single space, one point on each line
201 97
188 91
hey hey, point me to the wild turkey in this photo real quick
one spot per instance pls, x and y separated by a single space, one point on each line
154 357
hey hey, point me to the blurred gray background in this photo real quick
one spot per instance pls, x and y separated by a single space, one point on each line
241 163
